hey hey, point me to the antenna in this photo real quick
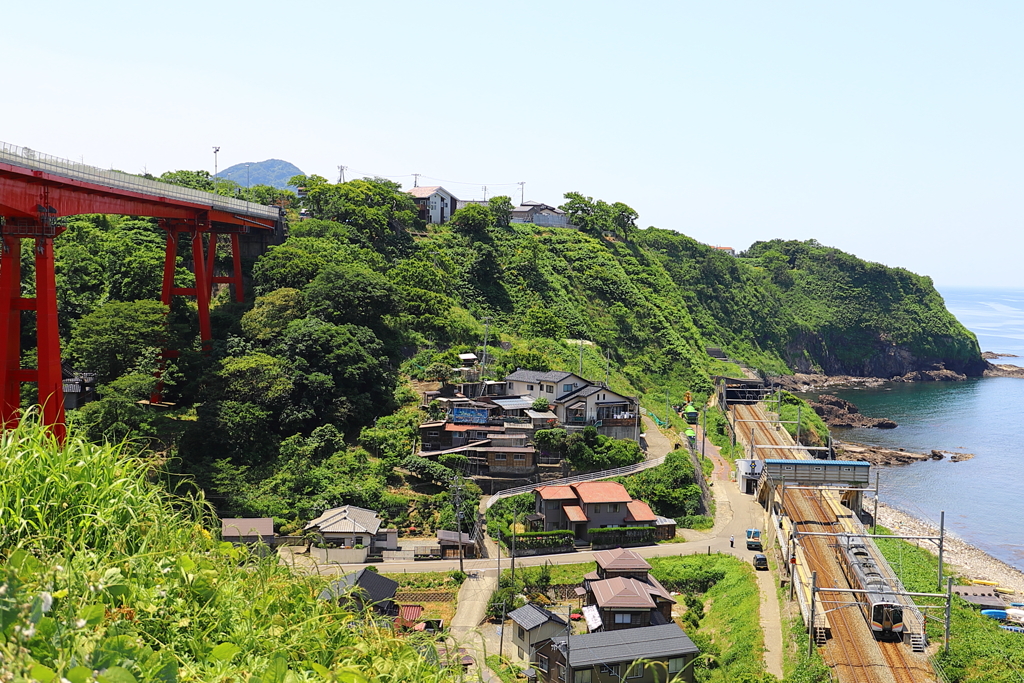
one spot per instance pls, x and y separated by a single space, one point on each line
522 192
341 173
416 179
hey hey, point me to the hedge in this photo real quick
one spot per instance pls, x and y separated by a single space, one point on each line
544 539
622 535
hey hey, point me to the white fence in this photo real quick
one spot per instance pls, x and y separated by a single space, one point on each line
593 476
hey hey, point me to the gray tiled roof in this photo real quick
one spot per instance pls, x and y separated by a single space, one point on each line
627 645
530 616
376 587
346 519
521 375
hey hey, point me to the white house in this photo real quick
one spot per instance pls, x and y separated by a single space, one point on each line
539 214
436 204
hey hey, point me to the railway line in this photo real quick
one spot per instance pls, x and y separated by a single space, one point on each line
852 652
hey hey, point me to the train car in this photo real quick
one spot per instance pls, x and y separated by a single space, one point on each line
882 611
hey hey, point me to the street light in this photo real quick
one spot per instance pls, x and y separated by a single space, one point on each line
215 150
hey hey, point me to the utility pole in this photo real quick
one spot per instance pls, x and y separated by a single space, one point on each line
607 368
416 179
501 633
457 485
513 561
522 192
703 430
341 173
484 188
487 334
215 151
798 425
581 358
246 175
874 517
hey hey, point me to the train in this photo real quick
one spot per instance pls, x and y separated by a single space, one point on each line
880 606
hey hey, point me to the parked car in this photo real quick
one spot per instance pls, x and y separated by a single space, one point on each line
760 561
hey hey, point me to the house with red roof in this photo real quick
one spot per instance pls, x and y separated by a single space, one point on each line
588 505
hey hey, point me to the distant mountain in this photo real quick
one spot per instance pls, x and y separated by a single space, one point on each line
273 172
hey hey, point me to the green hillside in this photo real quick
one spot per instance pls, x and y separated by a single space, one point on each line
304 400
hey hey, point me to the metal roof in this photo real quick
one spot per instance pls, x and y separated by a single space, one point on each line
639 511
620 559
601 492
513 403
574 513
845 463
621 592
247 526
530 616
627 645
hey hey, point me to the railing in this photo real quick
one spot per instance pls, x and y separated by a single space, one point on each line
593 476
28 158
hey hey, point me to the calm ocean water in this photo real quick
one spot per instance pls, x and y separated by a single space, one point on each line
983 497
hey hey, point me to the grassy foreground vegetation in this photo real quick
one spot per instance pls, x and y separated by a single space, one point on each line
979 649
102 571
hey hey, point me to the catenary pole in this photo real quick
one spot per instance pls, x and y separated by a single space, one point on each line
942 534
810 627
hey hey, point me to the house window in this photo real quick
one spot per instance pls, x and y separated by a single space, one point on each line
566 388
675 665
499 456
520 456
511 385
542 663
636 671
359 540
433 434
550 388
481 435
522 633
614 507
597 509
582 676
529 387
623 618
381 537
561 671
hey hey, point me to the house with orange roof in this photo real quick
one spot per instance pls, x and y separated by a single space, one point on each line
588 505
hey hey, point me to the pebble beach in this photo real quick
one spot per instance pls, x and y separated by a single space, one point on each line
965 560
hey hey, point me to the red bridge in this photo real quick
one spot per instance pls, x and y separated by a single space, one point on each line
36 192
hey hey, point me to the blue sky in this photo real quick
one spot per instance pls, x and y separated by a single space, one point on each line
890 130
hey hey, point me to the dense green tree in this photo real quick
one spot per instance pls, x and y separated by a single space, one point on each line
117 336
473 221
501 208
543 322
271 313
352 294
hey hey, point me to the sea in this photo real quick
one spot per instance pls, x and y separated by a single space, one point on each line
983 498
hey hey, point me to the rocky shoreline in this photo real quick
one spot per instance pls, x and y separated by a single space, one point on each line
964 558
808 382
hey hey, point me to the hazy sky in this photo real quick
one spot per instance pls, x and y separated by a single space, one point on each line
890 130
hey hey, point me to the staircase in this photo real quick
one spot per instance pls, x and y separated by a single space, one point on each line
918 642
820 636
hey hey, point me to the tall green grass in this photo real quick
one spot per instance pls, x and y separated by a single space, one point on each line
106 576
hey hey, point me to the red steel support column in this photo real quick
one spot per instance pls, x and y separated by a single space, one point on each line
236 257
211 262
49 375
202 292
170 259
10 331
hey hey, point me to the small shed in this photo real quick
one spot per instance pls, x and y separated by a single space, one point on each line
449 541
664 528
247 530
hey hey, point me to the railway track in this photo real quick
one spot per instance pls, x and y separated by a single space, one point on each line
852 652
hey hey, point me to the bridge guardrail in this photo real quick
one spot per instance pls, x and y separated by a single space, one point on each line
29 158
